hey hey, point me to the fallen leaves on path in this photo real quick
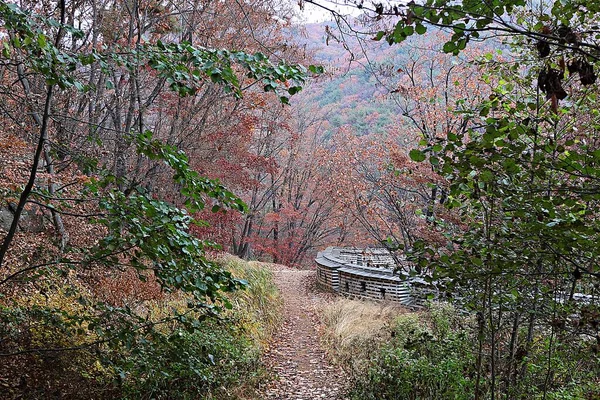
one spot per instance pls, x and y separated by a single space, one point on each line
299 365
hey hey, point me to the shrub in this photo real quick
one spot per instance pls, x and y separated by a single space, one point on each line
219 360
216 358
392 354
433 355
48 323
207 363
429 357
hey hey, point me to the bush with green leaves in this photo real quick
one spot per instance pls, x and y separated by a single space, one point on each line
432 354
195 357
218 359
428 357
209 362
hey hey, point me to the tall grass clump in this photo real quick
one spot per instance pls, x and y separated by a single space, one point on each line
392 354
258 307
355 330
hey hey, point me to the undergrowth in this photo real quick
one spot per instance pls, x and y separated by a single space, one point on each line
432 354
220 359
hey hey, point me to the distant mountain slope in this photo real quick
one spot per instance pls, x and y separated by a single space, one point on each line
349 94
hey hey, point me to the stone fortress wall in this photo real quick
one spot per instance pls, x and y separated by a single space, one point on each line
369 273
364 273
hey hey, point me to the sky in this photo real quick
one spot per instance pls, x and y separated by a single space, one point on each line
313 13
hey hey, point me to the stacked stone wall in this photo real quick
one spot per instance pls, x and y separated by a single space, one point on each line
357 275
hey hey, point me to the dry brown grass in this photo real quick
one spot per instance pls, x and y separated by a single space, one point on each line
354 328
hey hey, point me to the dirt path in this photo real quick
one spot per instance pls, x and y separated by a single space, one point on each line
301 371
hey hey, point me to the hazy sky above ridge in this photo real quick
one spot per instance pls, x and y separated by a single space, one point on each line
312 13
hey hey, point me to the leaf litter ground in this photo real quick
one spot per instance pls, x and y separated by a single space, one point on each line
296 359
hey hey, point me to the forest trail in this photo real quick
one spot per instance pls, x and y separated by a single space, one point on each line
296 360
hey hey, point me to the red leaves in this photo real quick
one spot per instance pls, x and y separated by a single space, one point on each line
121 288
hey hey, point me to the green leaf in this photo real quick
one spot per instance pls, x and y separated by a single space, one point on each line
417 155
486 176
41 40
379 35
449 47
294 89
316 69
6 50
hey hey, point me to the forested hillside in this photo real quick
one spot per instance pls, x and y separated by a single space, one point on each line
352 92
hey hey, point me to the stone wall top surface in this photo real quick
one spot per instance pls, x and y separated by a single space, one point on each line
375 259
